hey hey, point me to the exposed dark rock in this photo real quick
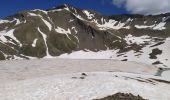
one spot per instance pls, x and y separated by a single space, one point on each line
154 53
161 81
156 63
84 74
125 60
122 96
157 44
82 77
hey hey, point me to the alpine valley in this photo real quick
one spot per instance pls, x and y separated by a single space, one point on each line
70 32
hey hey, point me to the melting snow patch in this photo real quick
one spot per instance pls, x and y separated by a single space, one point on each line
74 28
112 24
9 33
88 55
90 16
17 21
66 8
143 26
45 41
4 21
71 20
2 38
7 21
56 10
32 14
138 40
47 23
45 12
34 43
160 26
63 31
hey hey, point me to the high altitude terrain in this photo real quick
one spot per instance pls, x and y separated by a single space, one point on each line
66 29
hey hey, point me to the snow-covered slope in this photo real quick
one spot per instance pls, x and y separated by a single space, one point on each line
73 79
86 86
26 69
144 56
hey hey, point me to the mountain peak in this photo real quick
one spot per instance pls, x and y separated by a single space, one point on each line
66 5
63 6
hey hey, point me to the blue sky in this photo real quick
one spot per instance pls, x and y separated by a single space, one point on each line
10 7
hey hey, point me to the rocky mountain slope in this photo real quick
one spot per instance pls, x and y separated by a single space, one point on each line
65 30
